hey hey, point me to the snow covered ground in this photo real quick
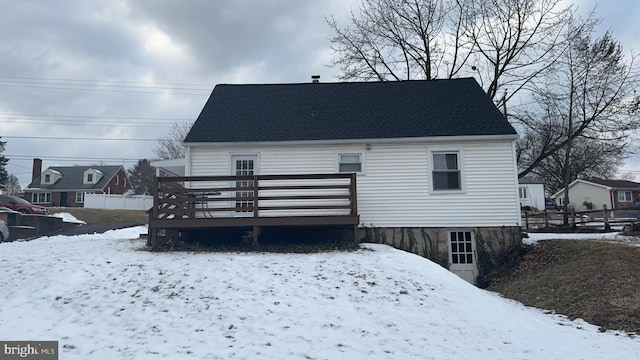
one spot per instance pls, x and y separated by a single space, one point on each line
66 217
102 298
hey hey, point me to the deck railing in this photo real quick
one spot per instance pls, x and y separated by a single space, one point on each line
258 200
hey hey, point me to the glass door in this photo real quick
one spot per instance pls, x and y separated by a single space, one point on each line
244 165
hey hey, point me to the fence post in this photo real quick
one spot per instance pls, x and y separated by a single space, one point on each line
526 220
573 218
605 215
546 219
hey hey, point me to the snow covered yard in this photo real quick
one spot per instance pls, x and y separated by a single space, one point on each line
101 298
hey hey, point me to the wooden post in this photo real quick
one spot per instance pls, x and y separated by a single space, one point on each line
526 220
605 215
573 218
255 200
152 233
354 194
546 219
256 233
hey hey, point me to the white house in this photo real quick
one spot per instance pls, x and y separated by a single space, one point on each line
531 194
434 160
615 194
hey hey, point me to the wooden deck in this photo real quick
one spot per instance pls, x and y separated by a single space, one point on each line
182 203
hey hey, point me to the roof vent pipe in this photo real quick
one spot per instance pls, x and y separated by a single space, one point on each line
315 78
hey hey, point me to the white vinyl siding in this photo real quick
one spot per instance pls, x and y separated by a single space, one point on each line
581 191
532 195
396 189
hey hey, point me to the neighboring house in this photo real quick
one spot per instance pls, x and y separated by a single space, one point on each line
169 167
66 186
434 162
531 194
615 194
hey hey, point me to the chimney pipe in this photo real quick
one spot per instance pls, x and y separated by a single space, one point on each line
37 169
315 78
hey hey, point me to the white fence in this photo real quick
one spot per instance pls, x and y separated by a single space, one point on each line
104 201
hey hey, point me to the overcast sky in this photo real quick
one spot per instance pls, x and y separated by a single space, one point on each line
97 81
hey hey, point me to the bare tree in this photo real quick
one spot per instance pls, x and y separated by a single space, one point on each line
514 41
588 158
588 96
500 42
12 185
392 40
170 146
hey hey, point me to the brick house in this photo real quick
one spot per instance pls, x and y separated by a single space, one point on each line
66 186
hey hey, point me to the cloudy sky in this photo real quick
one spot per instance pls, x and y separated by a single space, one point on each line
98 81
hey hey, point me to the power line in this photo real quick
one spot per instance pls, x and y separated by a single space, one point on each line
81 138
105 85
86 120
94 80
102 90
66 158
98 124
153 87
92 117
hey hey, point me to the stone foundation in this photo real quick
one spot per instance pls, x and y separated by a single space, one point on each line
494 245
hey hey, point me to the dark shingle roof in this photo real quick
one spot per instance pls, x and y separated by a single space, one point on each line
73 178
616 184
352 110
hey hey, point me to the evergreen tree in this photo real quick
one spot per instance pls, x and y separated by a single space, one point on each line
4 176
141 177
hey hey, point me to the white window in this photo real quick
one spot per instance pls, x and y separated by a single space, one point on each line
624 196
80 196
446 173
117 179
350 162
89 177
523 193
41 198
461 247
47 178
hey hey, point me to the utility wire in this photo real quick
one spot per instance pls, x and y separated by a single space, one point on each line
81 138
94 81
98 124
106 85
103 90
91 117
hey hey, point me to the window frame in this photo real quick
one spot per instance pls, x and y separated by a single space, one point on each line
523 190
35 198
470 255
339 162
431 168
624 199
82 195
